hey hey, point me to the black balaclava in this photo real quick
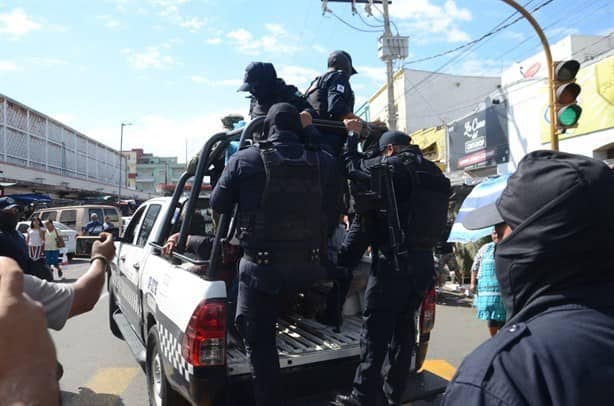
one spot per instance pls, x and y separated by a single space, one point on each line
560 208
282 117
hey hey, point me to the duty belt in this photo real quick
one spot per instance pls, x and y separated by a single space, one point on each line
281 256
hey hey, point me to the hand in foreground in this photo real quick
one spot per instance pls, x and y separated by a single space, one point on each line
27 356
104 246
170 245
306 119
353 124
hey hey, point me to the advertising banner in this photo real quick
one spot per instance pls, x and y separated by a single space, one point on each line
479 139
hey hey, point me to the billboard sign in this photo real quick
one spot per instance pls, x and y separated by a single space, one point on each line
479 139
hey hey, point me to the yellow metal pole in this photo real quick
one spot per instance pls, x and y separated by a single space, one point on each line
554 138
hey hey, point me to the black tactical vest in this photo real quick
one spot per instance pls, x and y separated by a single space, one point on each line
289 222
317 95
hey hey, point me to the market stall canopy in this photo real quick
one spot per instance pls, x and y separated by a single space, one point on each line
28 198
481 195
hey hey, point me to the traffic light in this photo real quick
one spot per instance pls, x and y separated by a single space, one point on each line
566 92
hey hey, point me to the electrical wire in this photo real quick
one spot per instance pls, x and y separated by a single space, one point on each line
366 23
350 25
477 40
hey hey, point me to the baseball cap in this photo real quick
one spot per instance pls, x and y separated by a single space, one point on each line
581 188
93 216
394 138
7 203
257 73
341 60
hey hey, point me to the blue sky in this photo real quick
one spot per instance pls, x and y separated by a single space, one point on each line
172 67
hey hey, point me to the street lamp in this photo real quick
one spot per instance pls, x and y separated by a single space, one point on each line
121 147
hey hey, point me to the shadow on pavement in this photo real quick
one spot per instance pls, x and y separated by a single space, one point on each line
453 299
87 397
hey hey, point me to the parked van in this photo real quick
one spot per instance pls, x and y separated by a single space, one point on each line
76 217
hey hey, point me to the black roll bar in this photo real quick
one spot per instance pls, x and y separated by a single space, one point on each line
224 219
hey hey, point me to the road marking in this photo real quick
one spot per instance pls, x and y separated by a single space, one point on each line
440 368
112 381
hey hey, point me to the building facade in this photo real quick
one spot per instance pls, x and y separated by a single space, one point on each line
155 174
427 99
40 154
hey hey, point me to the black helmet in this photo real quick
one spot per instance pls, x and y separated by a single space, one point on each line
341 60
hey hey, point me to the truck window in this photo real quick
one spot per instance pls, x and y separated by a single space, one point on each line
69 217
130 231
148 223
49 215
112 213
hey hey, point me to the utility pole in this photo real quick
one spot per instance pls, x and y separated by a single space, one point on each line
121 156
392 116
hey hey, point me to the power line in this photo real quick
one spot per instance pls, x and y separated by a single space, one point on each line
477 40
350 25
366 23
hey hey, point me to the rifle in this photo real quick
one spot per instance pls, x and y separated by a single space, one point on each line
384 187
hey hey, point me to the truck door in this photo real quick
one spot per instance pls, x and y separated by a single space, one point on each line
132 258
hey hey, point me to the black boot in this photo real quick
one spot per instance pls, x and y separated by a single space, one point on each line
348 400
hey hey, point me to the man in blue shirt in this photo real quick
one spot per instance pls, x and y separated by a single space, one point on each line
94 227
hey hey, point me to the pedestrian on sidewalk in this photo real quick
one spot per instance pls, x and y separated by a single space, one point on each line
35 241
488 295
52 248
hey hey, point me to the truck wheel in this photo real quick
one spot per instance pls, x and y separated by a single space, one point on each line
112 309
159 391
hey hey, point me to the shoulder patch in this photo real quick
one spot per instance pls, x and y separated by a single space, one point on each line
340 88
476 365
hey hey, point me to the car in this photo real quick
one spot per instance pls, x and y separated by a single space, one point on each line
68 234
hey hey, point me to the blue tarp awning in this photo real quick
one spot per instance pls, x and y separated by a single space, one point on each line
28 198
481 195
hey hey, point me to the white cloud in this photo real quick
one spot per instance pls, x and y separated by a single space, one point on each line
6 66
109 21
320 49
214 41
150 57
276 40
17 23
193 24
170 133
298 76
456 35
202 80
424 19
481 67
376 74
47 62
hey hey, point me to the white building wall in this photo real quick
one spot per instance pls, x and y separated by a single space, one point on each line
426 99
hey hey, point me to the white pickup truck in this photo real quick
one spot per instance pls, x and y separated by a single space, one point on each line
175 313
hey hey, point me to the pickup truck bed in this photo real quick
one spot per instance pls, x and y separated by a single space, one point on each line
304 341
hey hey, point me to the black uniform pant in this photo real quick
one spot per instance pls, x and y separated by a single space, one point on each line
389 330
256 318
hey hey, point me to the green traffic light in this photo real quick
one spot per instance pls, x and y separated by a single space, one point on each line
568 116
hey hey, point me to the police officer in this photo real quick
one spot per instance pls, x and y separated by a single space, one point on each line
266 89
397 281
556 273
332 98
284 193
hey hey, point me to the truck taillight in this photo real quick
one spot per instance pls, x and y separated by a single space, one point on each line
427 313
204 341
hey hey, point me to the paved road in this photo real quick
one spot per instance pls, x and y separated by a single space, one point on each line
100 370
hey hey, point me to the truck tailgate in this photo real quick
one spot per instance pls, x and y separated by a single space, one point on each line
303 341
